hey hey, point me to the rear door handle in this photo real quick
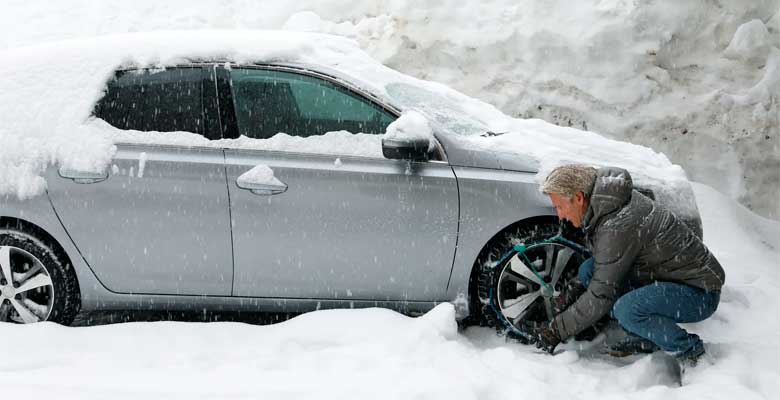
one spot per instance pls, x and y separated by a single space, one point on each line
82 176
262 189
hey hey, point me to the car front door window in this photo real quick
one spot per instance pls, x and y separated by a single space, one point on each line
268 102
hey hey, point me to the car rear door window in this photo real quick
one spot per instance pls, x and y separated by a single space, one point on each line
155 100
268 102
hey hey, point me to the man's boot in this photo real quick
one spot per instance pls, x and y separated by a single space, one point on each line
630 345
690 358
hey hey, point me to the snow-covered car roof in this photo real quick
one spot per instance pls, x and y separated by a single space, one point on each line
48 92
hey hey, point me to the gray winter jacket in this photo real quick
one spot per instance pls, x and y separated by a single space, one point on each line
633 239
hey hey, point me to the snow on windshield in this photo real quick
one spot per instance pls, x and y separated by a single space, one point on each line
48 93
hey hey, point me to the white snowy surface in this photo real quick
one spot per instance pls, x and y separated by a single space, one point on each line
379 354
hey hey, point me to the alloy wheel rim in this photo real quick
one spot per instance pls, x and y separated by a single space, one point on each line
26 288
521 290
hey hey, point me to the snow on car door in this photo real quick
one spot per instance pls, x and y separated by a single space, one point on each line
322 225
158 221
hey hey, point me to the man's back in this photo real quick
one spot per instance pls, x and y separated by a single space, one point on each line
670 251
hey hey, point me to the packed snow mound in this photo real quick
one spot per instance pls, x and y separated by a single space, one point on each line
46 113
682 77
381 354
751 43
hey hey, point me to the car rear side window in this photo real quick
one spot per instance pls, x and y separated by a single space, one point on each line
268 102
155 100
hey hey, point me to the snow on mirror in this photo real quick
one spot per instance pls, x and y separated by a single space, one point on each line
411 126
260 180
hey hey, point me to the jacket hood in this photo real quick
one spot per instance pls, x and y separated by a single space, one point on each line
611 191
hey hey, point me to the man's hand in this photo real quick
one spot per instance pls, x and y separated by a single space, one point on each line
544 337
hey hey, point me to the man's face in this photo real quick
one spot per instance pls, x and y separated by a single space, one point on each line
572 208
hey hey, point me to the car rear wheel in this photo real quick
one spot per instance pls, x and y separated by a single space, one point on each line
36 284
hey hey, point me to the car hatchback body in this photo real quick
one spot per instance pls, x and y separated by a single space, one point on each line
344 215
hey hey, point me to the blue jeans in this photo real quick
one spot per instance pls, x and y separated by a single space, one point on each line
653 311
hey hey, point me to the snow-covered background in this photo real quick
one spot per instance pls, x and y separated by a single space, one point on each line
379 354
698 80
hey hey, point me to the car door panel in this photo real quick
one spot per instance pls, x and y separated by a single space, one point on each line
352 228
158 224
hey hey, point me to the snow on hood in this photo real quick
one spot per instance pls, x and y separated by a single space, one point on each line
48 92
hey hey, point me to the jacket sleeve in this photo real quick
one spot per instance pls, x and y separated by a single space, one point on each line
614 252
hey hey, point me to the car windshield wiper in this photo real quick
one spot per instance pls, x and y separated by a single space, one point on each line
491 133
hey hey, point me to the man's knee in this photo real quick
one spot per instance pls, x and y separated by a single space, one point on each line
625 311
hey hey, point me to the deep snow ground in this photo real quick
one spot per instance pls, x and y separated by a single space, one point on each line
380 354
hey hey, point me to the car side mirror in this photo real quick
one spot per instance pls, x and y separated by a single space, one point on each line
412 149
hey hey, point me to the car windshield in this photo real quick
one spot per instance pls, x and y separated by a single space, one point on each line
437 106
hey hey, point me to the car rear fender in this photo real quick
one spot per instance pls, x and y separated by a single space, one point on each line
37 213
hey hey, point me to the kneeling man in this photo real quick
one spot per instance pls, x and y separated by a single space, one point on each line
649 270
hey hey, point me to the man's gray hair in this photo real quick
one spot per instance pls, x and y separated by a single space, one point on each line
569 179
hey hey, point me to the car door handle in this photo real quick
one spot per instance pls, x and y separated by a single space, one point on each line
262 189
82 176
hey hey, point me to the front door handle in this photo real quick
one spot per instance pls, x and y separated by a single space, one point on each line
262 189
82 176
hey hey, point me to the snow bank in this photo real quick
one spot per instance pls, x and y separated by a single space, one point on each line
751 43
376 353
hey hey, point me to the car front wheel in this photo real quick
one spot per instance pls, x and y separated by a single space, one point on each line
527 277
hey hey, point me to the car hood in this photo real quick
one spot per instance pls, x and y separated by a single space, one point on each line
676 195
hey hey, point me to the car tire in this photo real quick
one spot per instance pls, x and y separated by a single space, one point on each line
42 284
495 259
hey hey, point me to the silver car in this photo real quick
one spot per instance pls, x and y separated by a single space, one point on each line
175 227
